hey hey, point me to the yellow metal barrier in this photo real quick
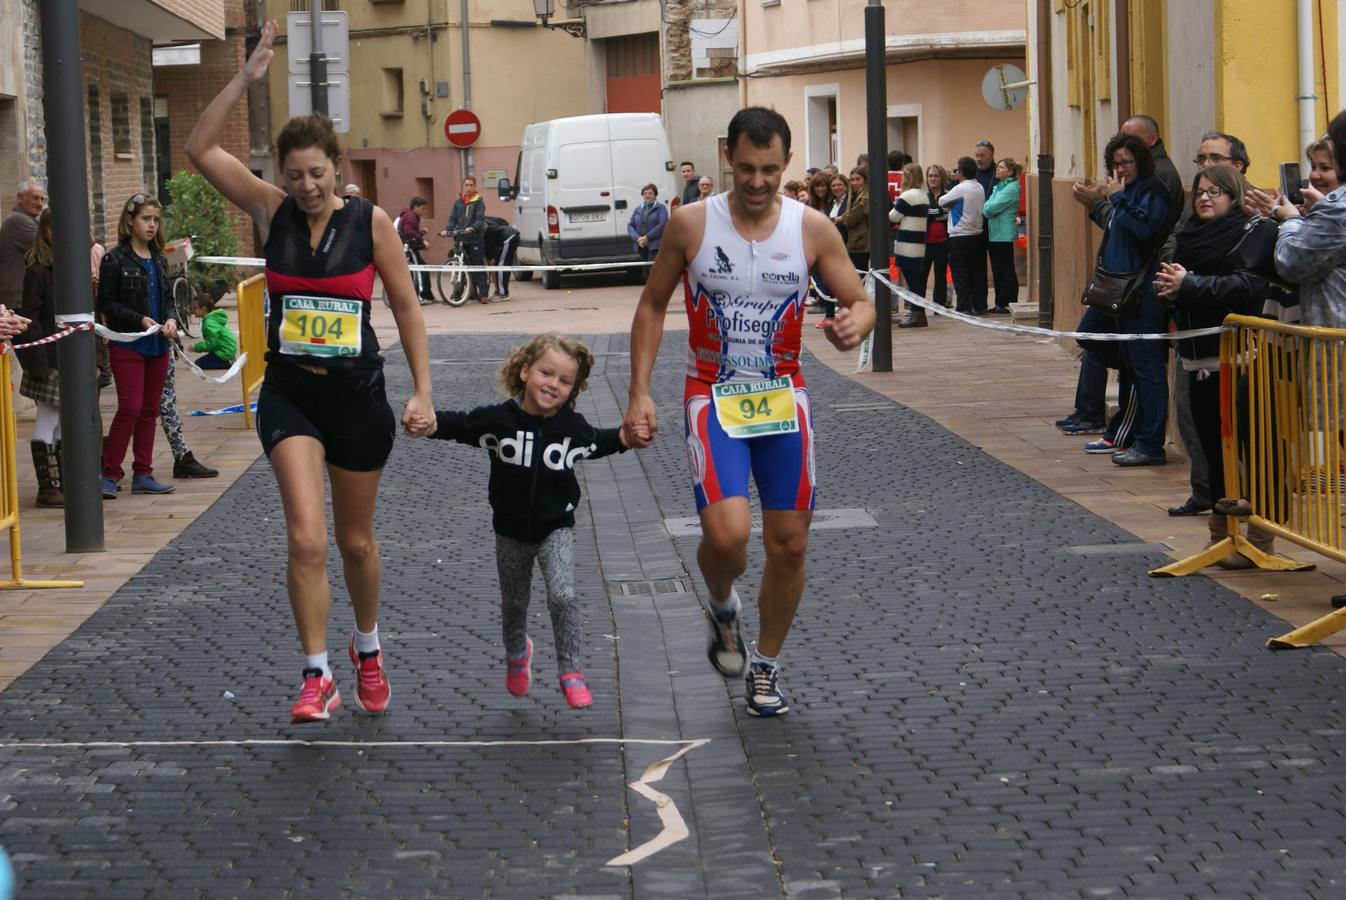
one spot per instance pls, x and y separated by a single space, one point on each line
252 338
1282 426
9 489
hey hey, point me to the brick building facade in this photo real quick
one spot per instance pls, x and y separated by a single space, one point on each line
182 92
118 95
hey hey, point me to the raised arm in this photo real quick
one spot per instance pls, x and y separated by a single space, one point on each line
227 173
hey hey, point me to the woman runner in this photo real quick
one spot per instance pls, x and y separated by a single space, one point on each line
322 401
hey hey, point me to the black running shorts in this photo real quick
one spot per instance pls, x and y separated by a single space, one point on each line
346 410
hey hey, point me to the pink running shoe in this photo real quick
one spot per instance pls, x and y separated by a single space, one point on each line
317 700
517 673
576 690
372 691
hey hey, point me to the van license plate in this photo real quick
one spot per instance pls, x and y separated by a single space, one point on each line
599 216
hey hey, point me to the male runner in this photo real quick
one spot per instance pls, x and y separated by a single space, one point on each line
744 259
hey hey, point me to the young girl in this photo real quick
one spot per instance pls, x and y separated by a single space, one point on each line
217 341
534 440
133 296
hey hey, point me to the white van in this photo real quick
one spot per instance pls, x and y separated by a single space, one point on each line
576 184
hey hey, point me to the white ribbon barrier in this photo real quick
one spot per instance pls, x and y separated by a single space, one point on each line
257 263
74 322
914 300
230 373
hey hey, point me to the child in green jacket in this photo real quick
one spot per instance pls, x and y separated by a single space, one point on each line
217 341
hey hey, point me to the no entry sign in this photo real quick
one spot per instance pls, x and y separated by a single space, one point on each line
462 128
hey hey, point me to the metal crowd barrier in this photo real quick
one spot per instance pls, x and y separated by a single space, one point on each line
1282 427
9 487
252 338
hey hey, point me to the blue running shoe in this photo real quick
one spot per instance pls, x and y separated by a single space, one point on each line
146 484
725 649
765 698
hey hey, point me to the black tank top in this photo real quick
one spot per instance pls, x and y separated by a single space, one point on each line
342 268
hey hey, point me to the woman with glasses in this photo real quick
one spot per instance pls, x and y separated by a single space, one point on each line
1204 285
322 404
1131 243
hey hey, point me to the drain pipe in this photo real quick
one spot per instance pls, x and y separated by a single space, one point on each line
467 86
1046 164
1306 98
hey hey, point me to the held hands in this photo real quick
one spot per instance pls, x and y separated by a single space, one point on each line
418 417
1169 279
642 434
642 241
639 426
254 70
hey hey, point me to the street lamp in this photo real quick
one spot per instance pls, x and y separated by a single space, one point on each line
545 9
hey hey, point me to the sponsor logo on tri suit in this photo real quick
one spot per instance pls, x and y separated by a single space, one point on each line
517 450
778 256
742 361
781 277
722 264
736 324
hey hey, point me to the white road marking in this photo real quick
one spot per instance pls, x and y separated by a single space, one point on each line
674 830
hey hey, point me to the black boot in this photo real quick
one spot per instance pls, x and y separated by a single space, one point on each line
49 494
188 467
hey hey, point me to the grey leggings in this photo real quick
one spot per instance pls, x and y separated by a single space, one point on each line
556 556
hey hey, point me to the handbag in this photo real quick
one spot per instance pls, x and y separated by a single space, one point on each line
1115 293
1255 251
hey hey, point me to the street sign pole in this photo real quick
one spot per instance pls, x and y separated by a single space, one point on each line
62 102
880 245
317 62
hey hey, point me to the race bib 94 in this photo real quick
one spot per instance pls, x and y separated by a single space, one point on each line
756 408
320 326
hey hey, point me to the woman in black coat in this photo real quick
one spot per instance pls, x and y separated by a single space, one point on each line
1204 285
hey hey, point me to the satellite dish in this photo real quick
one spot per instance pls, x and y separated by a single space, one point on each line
1004 87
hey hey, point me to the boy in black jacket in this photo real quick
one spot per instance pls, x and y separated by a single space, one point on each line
535 440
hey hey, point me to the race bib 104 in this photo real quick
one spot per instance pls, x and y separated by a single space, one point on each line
756 408
320 326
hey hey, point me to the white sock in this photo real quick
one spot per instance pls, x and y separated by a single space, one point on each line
761 659
367 643
318 661
733 604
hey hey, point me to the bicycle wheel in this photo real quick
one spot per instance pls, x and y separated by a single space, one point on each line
451 284
182 303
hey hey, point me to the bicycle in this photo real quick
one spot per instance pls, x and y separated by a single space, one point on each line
177 253
454 286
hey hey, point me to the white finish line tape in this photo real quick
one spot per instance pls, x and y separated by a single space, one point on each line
674 826
258 263
913 300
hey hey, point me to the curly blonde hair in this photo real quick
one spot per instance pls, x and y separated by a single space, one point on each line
524 355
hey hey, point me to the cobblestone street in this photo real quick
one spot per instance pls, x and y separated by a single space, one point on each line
991 698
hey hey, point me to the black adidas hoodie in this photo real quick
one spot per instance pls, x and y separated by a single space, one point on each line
533 489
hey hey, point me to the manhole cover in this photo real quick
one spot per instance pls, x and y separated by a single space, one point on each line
646 588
